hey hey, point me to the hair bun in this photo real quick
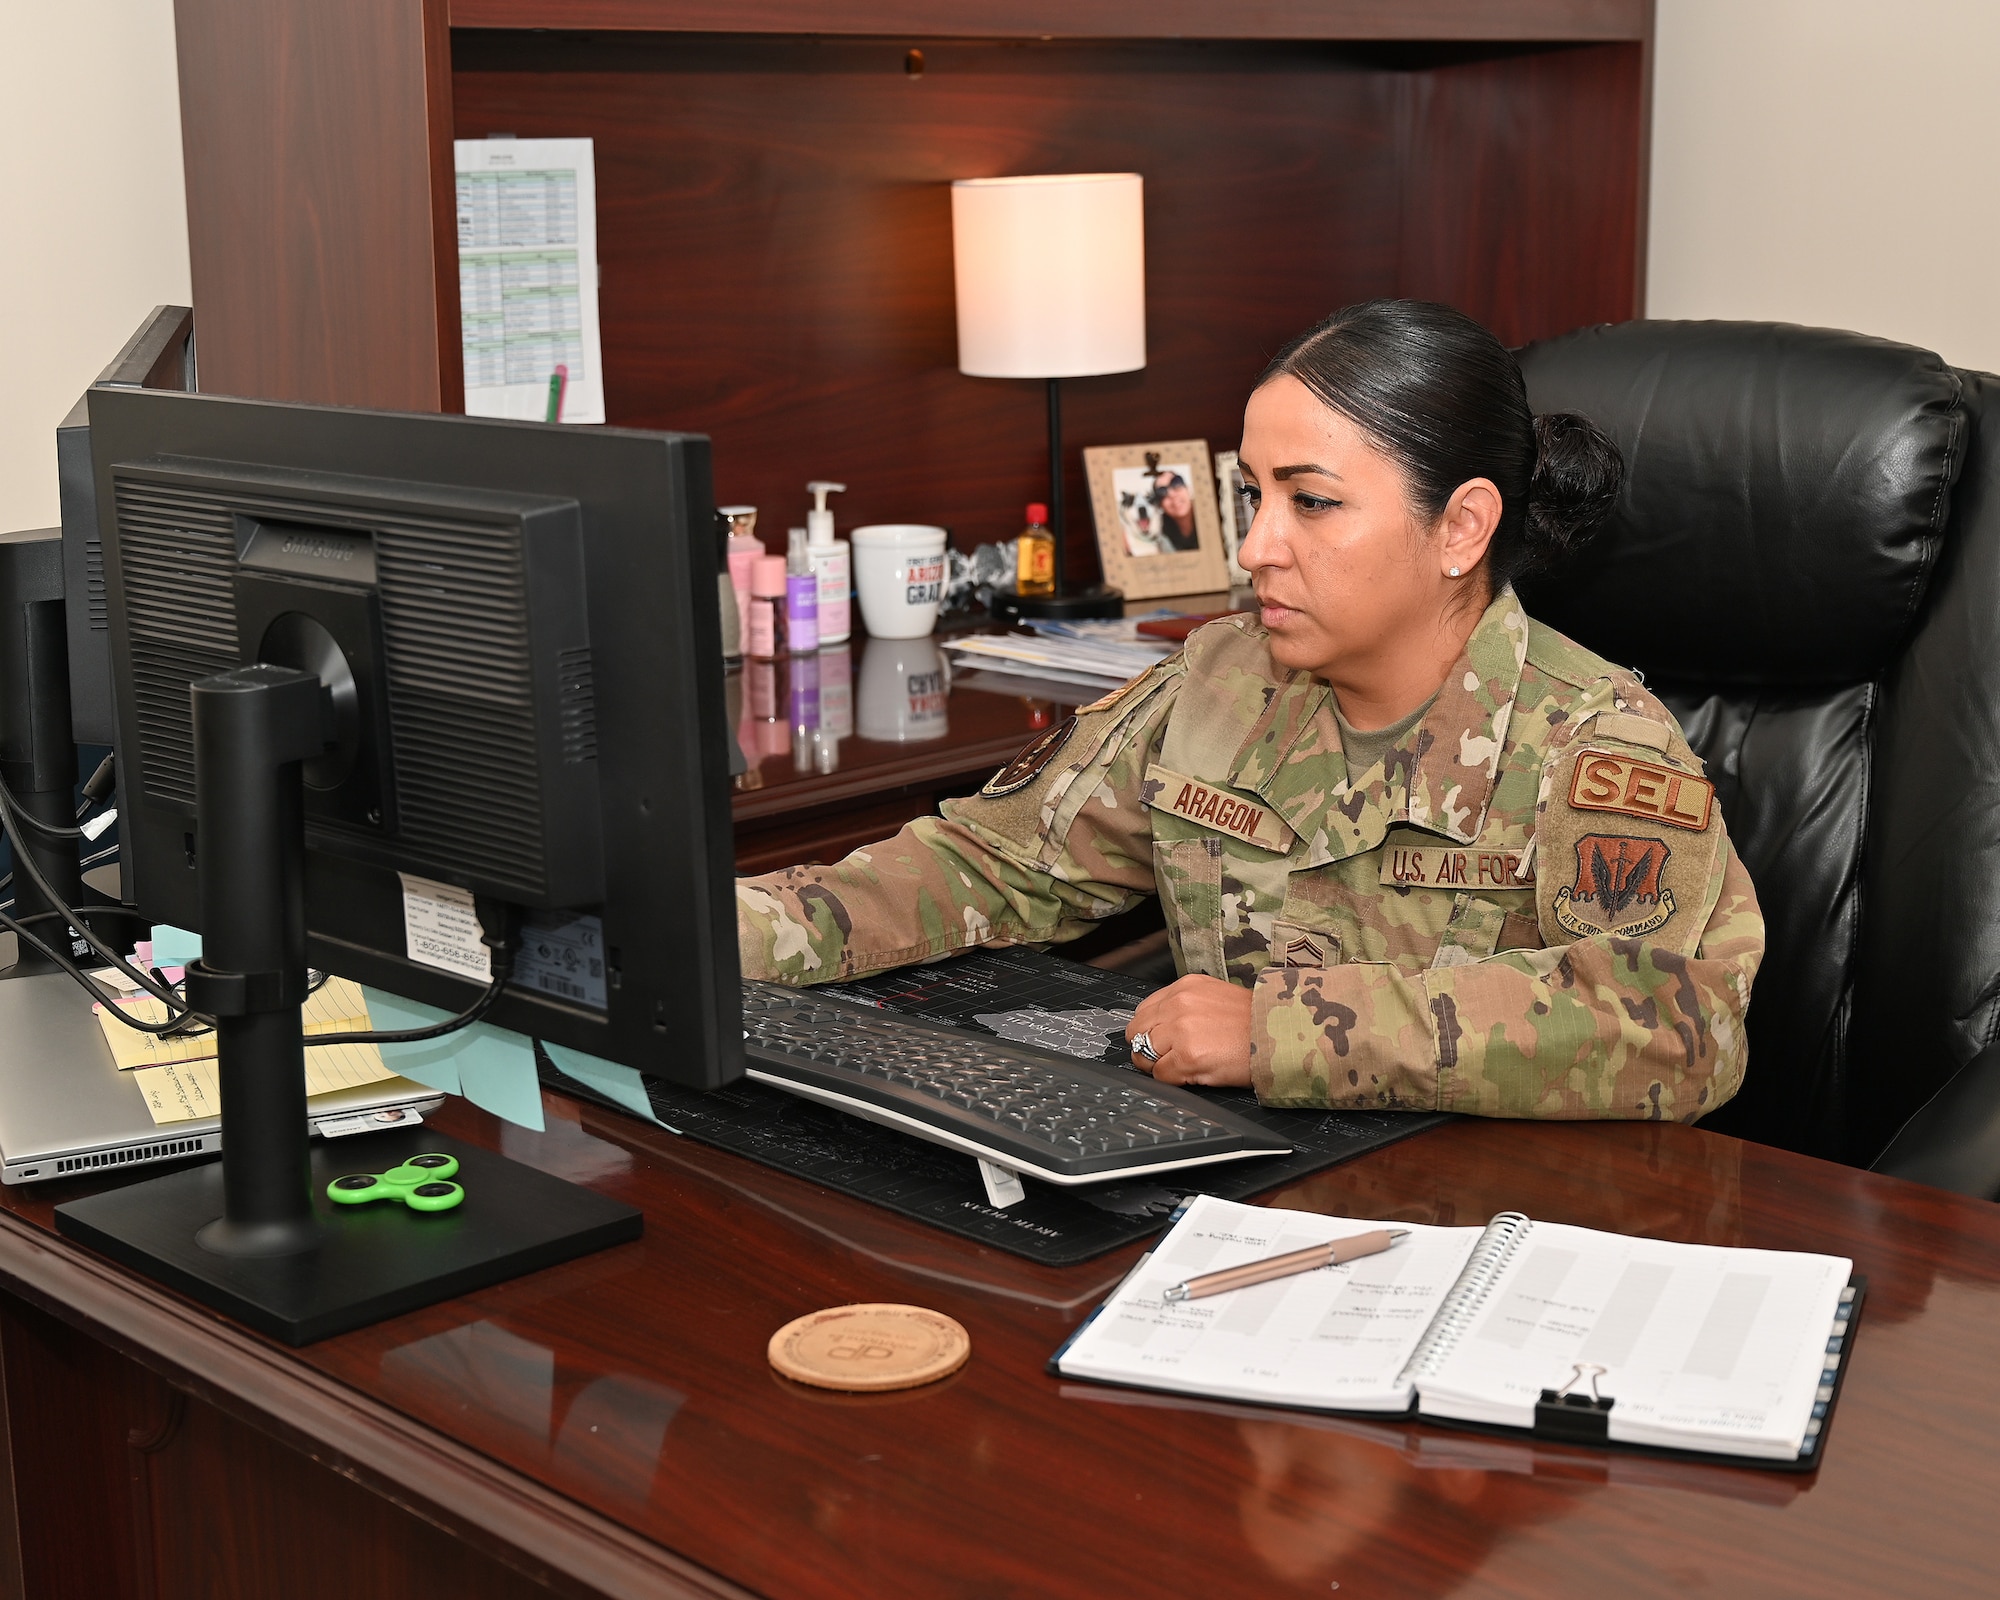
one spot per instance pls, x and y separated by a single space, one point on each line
1578 472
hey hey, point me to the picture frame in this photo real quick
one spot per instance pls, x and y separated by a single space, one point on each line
1229 503
1143 498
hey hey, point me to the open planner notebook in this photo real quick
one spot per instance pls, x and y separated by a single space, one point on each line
1697 1347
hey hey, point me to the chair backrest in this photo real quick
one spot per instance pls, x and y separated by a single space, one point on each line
1791 569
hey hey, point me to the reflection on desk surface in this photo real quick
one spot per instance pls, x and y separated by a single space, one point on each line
607 1431
863 702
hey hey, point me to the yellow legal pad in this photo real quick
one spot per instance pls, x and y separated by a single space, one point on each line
177 1076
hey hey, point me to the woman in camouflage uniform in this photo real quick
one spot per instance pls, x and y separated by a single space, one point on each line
1415 849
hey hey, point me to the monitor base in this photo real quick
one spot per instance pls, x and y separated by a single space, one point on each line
374 1261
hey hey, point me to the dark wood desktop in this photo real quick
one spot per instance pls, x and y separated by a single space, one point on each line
611 1427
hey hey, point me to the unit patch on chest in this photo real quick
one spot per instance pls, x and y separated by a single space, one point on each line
1461 866
1216 808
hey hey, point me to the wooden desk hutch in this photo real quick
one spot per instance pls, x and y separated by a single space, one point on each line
775 235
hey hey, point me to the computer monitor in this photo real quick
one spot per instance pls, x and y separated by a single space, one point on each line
384 683
516 624
159 355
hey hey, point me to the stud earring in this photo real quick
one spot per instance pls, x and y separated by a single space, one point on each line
1454 572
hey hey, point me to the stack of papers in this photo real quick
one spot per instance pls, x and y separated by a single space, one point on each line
1097 661
177 1075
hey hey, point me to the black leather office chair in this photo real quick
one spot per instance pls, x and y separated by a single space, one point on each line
1805 563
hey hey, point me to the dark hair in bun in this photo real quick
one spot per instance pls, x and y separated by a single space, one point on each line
1444 400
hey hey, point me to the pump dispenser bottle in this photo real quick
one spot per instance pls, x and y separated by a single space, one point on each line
831 564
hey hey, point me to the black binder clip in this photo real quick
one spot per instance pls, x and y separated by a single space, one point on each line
1567 1414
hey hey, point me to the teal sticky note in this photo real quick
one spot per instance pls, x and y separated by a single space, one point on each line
492 1067
620 1085
174 947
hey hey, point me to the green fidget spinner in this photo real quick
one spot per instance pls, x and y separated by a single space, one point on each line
420 1183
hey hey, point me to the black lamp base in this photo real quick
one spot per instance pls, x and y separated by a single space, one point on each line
373 1261
1076 606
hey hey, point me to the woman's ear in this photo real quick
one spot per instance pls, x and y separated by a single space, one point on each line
1469 519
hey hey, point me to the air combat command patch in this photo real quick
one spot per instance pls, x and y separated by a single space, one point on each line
1618 889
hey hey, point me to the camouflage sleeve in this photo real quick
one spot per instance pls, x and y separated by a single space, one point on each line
1058 839
1602 1026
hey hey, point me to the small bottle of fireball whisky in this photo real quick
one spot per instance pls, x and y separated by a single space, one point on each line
1035 555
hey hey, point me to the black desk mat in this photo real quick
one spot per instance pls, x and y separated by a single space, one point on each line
999 991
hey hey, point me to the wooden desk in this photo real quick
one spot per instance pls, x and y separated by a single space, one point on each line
611 1428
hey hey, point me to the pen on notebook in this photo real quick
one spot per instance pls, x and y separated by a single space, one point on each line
558 387
1331 1254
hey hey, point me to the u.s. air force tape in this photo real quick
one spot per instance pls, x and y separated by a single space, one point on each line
1416 862
1212 807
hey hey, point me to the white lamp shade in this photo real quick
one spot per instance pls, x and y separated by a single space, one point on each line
1051 275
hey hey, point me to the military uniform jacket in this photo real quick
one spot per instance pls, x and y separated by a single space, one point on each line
1528 907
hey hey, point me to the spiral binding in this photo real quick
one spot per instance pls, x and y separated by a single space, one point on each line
1489 1259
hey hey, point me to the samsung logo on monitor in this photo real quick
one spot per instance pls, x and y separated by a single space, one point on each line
317 546
300 552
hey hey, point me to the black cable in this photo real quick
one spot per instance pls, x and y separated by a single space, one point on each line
109 1002
98 786
95 860
24 861
436 1030
500 932
54 830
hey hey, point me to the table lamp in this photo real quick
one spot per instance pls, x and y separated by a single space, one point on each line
1051 280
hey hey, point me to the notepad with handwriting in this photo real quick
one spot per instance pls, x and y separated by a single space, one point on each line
1698 1347
177 1073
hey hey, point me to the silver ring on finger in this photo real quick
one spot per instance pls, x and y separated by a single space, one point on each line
1142 1046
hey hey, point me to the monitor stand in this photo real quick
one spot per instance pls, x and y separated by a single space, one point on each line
255 1237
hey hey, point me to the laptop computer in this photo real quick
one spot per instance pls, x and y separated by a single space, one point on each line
66 1109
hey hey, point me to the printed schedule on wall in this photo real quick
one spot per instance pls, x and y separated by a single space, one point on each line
527 279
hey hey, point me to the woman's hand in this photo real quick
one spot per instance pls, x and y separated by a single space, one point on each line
1200 1030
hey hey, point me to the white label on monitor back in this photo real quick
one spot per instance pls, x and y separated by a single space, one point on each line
442 929
562 955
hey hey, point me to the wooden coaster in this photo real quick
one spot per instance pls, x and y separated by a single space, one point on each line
870 1347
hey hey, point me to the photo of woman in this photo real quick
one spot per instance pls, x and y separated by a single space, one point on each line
1156 508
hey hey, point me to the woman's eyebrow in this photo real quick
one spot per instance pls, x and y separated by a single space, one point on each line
1282 473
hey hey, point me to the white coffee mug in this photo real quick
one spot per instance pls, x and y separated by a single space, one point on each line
899 575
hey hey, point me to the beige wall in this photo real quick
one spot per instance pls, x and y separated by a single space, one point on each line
1826 161
1833 162
95 230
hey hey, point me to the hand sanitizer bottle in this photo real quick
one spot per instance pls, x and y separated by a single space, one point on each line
830 564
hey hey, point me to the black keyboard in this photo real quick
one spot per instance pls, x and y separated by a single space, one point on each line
1059 1120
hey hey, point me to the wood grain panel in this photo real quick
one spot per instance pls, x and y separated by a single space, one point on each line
72 1502
1086 19
1524 190
443 177
621 1405
309 193
774 218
